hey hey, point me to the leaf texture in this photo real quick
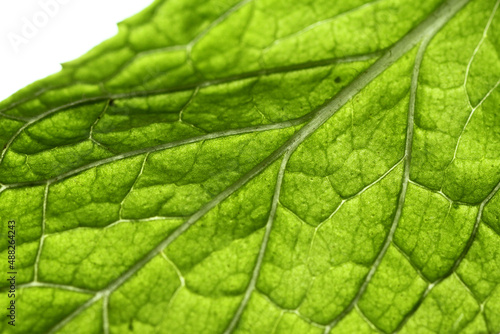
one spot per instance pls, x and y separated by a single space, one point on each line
262 166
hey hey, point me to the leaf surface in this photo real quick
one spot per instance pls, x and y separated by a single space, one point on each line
262 167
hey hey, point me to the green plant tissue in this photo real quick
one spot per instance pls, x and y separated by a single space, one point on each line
263 166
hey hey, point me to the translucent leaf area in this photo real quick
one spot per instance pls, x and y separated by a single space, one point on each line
263 166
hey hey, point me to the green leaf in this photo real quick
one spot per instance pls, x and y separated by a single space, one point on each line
262 166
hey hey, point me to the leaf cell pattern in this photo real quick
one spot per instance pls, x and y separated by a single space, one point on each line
261 167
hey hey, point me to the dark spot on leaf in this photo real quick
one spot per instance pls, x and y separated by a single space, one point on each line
338 79
111 102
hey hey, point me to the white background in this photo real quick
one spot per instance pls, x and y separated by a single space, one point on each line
72 28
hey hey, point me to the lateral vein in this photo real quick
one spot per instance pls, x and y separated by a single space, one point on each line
404 187
262 251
